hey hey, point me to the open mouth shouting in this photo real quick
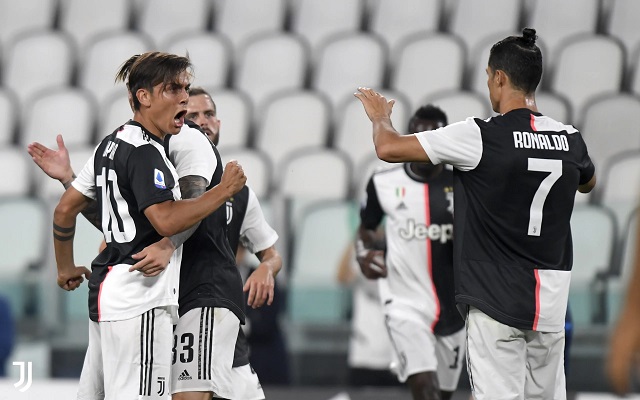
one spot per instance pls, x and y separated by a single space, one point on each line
178 120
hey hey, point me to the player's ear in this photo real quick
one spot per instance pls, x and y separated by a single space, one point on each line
144 97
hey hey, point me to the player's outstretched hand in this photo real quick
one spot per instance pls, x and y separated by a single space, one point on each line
260 285
153 259
233 178
71 280
372 264
375 105
54 163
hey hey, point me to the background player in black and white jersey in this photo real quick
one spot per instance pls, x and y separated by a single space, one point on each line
415 273
515 181
190 151
248 226
135 187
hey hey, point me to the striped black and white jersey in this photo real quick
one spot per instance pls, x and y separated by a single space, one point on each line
515 177
209 275
419 237
127 173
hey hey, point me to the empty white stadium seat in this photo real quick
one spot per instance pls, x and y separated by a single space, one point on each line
239 20
162 19
83 19
256 166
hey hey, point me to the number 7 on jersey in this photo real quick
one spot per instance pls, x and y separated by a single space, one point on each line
554 167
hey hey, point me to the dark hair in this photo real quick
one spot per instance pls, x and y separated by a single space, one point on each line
144 71
429 112
520 59
198 91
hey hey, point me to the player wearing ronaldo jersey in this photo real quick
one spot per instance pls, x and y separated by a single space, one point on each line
135 187
515 180
416 277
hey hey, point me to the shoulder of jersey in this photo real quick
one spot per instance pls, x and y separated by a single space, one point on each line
189 124
132 134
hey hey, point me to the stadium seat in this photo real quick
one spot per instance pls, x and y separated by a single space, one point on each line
634 74
619 280
39 60
471 20
9 114
459 105
364 171
610 126
20 17
100 60
256 166
619 187
417 75
348 61
235 112
622 23
260 70
106 16
291 121
114 111
556 21
571 72
395 20
316 20
353 129
240 20
162 19
24 231
67 111
314 293
18 182
554 105
211 56
594 234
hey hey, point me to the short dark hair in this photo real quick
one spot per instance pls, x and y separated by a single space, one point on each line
429 112
520 58
144 71
199 91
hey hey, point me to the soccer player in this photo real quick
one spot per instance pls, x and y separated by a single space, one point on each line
192 153
415 274
515 180
135 187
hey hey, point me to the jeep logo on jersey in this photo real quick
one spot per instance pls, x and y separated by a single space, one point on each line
158 179
433 232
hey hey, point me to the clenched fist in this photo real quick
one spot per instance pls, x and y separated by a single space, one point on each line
233 178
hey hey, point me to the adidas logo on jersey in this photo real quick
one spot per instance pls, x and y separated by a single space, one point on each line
184 376
434 232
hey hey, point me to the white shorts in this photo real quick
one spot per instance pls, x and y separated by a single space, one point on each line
128 359
204 342
246 385
417 349
507 363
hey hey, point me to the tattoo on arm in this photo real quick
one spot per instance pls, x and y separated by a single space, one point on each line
63 234
92 213
191 187
67 184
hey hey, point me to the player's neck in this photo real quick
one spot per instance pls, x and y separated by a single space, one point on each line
148 125
422 171
513 100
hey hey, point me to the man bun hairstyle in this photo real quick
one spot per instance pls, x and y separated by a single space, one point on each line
520 58
144 71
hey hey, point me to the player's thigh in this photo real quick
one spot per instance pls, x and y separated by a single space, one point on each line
450 351
496 358
413 345
545 362
137 356
203 346
91 385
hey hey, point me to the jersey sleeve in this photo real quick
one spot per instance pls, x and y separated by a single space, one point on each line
85 182
371 212
150 178
191 153
585 166
255 232
458 144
